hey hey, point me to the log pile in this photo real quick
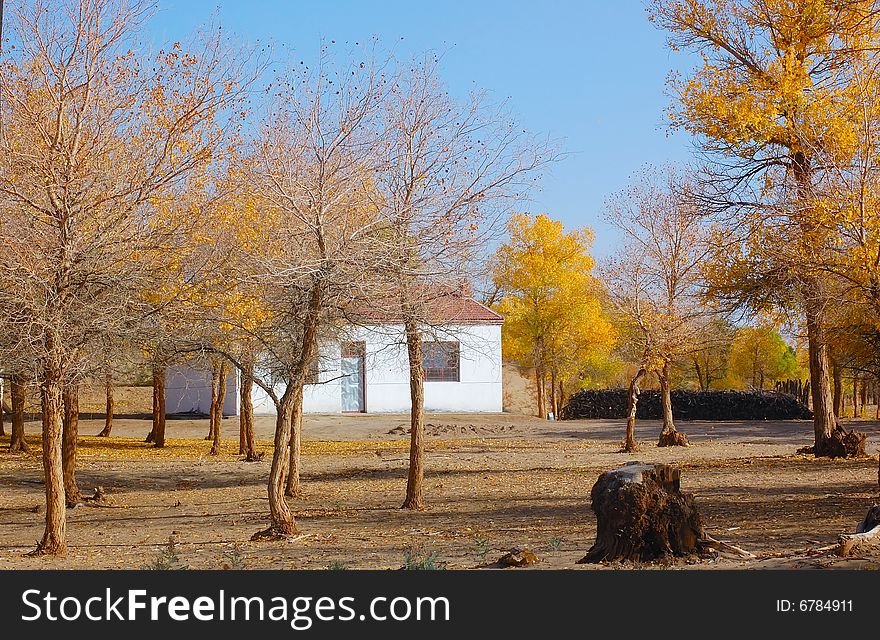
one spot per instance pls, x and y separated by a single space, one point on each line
687 405
642 515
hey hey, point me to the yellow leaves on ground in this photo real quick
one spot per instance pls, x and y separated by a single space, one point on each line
186 448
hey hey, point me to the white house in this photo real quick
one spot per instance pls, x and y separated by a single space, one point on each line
188 390
369 371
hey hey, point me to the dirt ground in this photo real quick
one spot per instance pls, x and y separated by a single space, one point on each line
493 482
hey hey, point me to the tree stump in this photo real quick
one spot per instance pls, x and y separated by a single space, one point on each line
672 438
841 444
643 515
518 558
867 534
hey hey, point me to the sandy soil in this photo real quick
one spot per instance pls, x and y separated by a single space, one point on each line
493 482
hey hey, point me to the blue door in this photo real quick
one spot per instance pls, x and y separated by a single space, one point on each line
353 377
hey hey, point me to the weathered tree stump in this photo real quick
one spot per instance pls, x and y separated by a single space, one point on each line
867 534
643 515
840 444
518 558
672 438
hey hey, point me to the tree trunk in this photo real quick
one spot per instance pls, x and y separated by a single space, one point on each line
415 497
70 398
669 436
54 541
108 408
217 408
554 404
539 386
17 391
212 411
247 447
863 398
159 406
824 421
704 386
855 396
837 398
2 405
294 488
630 445
283 522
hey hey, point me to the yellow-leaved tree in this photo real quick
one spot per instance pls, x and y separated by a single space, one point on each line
774 102
760 356
551 303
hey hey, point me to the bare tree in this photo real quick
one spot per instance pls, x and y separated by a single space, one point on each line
310 172
450 173
17 395
655 280
92 136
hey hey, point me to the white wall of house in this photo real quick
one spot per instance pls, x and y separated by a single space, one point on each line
387 374
188 390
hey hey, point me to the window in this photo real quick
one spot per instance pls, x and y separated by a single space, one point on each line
440 361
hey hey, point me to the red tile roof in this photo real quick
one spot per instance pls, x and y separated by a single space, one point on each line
443 308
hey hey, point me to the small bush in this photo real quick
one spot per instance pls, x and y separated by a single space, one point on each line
234 559
483 548
167 558
415 560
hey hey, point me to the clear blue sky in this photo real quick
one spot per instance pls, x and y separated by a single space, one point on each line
589 72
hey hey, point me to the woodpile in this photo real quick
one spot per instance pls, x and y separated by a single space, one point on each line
800 389
687 405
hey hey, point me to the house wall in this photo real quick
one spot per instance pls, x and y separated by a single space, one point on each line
387 373
188 390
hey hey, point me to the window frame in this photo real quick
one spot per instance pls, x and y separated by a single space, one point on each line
449 373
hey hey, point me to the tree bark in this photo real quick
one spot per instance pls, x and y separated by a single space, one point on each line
247 446
630 445
855 396
669 435
824 420
415 496
17 392
2 406
554 404
703 386
217 409
642 515
212 411
54 541
294 487
158 406
837 398
539 386
158 402
108 407
70 399
283 522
